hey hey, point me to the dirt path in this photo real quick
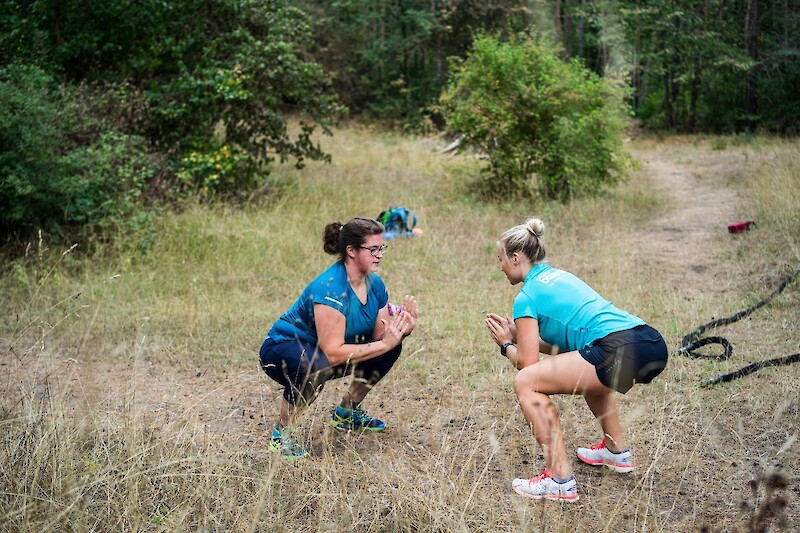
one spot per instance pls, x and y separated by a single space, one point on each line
701 203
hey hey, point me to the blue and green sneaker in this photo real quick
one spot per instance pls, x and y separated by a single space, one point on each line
355 419
287 444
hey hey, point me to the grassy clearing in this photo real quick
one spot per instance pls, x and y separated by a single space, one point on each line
132 400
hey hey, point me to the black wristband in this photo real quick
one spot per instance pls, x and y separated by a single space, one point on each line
504 348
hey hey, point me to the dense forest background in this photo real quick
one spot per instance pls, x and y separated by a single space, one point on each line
694 65
109 109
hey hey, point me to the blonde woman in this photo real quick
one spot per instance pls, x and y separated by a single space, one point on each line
593 349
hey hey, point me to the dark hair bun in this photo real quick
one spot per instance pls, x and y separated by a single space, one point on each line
330 238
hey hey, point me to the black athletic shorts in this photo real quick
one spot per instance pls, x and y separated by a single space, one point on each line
626 357
303 369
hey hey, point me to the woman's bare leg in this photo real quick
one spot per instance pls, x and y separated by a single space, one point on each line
566 373
605 410
287 412
357 392
542 417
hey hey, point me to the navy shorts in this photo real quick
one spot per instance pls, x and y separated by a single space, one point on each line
626 357
303 369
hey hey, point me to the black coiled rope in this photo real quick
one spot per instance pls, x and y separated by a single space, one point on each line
691 342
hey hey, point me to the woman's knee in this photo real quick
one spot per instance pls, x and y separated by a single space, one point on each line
373 370
527 380
308 389
391 357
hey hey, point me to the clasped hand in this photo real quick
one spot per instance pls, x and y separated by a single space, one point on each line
403 322
501 329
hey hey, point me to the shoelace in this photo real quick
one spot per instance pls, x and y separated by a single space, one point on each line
360 414
599 446
545 474
291 443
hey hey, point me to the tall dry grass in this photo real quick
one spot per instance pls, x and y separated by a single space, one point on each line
132 400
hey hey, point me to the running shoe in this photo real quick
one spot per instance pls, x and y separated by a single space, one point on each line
599 455
355 419
544 486
287 445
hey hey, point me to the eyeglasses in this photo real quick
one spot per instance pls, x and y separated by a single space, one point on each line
375 251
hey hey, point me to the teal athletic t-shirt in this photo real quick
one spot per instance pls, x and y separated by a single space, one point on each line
571 314
331 288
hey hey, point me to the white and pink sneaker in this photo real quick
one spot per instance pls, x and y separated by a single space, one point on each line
599 455
544 486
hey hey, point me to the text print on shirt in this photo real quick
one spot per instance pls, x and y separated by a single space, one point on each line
547 277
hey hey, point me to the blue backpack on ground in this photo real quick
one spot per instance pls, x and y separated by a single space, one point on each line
398 221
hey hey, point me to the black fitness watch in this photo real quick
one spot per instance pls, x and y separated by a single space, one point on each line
504 348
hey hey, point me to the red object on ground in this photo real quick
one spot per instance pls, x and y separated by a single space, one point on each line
739 227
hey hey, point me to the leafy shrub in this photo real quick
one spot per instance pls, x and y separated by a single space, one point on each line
56 173
227 86
127 108
190 76
34 151
109 191
211 168
544 125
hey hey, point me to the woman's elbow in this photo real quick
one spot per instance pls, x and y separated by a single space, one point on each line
332 354
524 362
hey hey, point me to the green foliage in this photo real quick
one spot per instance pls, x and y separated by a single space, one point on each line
700 66
125 103
378 53
535 116
31 140
230 81
211 168
389 58
193 92
695 65
108 193
54 172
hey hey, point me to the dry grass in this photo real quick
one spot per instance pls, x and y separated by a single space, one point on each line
138 405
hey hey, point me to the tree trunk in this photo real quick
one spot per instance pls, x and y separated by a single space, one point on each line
751 31
557 21
668 113
694 95
636 78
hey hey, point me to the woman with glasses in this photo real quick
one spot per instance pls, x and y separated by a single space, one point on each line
594 347
342 324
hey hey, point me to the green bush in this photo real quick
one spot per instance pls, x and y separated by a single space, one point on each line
57 173
188 77
108 193
211 168
226 73
545 126
34 151
128 108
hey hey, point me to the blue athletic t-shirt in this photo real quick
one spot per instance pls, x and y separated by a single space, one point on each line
571 314
331 288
